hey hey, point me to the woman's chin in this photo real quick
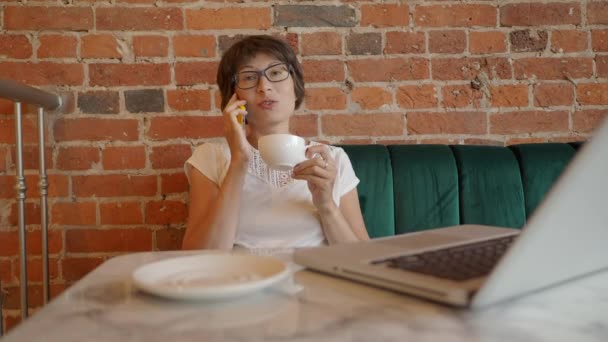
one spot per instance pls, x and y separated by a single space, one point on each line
271 118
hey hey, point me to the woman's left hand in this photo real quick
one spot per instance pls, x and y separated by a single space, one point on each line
320 173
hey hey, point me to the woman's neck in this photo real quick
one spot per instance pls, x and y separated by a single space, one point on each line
255 132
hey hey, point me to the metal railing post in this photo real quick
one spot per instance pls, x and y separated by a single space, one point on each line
21 93
21 189
43 186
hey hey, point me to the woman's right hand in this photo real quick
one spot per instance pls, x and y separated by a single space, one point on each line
240 150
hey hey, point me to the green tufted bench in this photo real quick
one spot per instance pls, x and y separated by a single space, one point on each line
408 188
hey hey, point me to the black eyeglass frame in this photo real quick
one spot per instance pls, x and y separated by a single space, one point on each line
261 73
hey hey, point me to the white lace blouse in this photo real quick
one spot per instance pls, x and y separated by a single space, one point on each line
276 210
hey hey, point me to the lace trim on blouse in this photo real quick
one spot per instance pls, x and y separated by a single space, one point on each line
275 178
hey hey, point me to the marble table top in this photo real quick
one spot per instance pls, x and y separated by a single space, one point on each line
104 306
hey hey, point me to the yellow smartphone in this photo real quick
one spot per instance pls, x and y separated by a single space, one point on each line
241 118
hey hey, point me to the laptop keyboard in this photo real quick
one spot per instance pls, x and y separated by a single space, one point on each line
458 263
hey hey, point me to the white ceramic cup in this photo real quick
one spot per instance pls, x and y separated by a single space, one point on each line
282 151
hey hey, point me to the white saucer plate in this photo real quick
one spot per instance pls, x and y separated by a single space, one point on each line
209 276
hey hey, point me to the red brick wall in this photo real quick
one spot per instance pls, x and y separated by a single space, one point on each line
139 77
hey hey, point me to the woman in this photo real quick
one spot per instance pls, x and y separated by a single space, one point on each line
235 199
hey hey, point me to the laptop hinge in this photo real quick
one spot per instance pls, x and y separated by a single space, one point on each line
423 292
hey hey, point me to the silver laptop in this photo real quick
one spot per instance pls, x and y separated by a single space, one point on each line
564 239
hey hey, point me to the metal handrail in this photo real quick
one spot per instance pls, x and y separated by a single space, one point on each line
18 93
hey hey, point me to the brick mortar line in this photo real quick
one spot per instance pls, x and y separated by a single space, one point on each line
435 56
584 19
439 83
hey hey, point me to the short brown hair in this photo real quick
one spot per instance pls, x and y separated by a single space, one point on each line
244 50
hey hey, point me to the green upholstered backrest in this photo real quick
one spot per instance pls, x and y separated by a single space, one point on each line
408 188
491 191
540 166
426 187
372 166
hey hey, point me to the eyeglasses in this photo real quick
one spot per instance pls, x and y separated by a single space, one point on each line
274 73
